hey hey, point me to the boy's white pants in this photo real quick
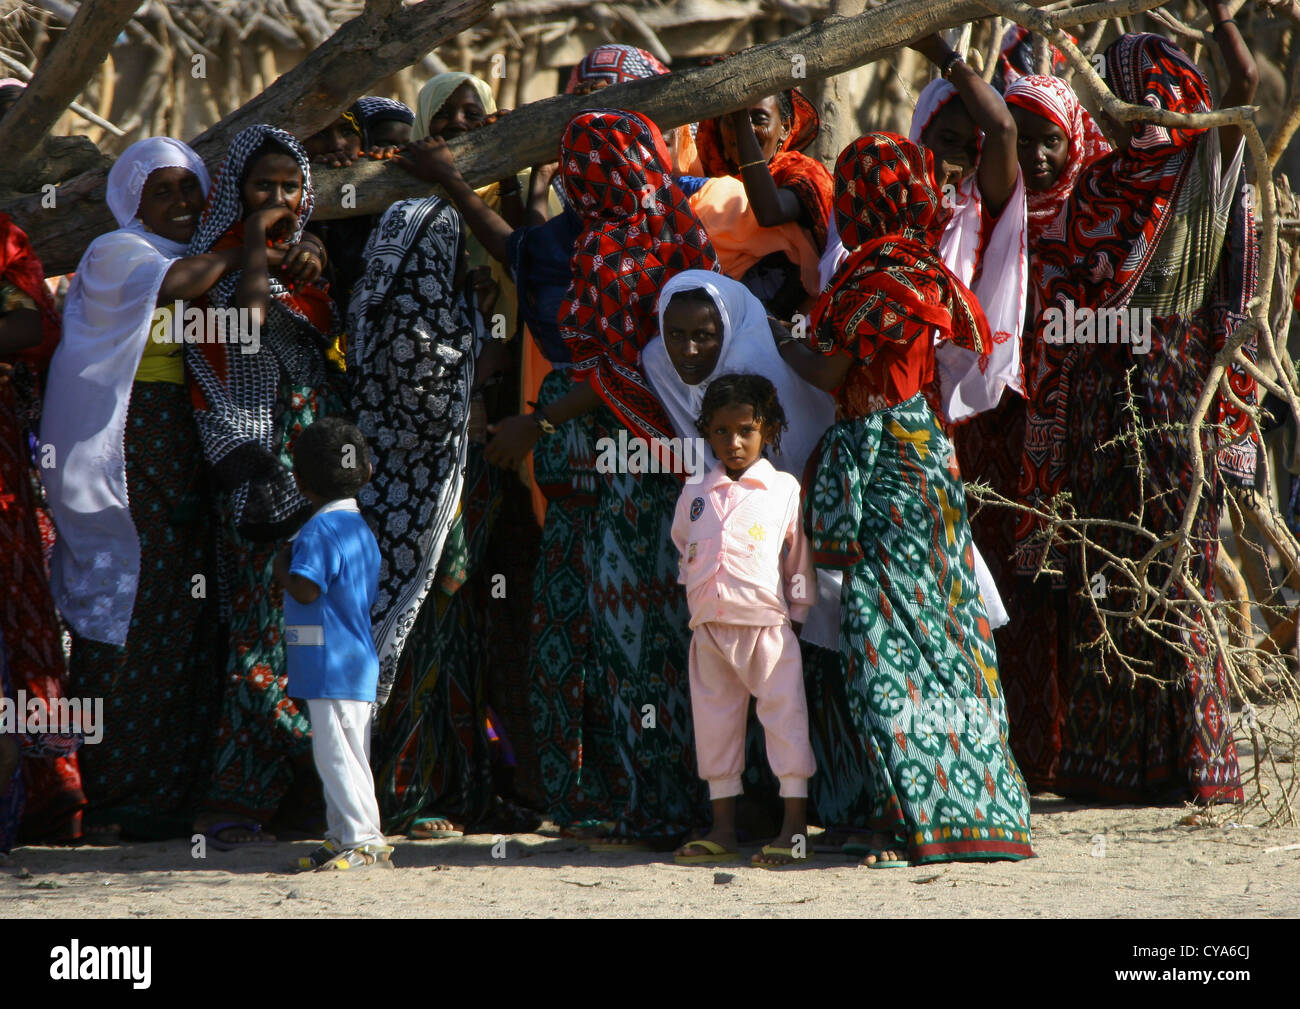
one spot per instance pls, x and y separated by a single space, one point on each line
340 746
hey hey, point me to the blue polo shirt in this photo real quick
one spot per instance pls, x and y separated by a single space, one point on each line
328 643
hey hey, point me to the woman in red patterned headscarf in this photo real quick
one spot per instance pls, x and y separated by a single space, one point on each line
886 505
1106 422
1057 141
637 231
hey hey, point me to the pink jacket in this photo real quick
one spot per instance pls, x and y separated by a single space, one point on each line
744 555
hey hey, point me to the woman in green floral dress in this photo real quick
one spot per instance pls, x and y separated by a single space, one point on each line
887 507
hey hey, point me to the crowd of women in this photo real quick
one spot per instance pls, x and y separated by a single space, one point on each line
531 628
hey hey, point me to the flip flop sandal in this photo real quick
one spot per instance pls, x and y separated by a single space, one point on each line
772 851
714 852
217 828
432 835
894 863
365 857
318 857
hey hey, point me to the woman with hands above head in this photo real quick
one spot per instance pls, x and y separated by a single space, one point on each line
254 396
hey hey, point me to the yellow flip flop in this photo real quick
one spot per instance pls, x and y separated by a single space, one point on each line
714 852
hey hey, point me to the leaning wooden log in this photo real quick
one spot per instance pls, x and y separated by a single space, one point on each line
528 136
59 78
385 37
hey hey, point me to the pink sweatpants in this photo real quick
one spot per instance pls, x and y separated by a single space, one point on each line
729 664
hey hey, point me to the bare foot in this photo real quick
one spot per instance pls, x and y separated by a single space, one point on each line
888 848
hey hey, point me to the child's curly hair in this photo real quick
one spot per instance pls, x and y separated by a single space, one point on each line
753 391
332 458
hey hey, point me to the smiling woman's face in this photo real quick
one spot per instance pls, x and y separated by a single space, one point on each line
170 203
460 113
692 337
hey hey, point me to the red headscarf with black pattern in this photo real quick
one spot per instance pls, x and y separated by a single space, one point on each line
1054 100
638 230
1119 202
893 289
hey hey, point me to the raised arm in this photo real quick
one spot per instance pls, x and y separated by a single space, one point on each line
772 205
432 161
193 276
254 290
998 164
1243 75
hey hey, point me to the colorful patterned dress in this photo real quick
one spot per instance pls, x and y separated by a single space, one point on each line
29 623
1161 232
887 507
637 232
254 405
582 777
989 448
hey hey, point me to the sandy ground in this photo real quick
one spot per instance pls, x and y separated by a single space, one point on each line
1118 861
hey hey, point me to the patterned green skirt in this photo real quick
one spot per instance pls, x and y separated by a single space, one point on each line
581 774
887 506
640 640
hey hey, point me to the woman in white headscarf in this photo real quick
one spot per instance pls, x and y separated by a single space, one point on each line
132 566
710 325
449 105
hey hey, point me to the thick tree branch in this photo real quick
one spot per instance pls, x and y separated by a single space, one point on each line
59 78
383 38
309 96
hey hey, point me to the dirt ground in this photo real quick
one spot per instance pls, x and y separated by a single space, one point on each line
1092 862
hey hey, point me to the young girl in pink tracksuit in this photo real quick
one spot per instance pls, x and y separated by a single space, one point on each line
749 579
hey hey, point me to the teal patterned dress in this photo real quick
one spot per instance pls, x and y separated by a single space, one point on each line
582 777
640 641
887 507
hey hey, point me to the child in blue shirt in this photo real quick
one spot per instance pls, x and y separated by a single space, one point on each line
330 574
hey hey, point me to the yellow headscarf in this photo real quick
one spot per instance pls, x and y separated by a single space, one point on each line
433 96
